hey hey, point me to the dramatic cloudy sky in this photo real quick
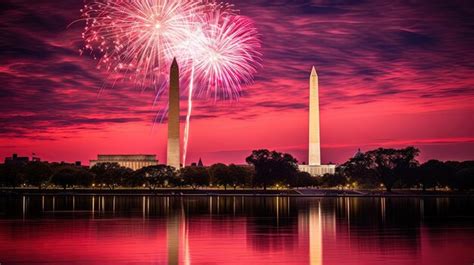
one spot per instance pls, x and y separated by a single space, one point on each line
392 74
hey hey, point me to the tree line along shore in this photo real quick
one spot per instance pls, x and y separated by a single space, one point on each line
381 169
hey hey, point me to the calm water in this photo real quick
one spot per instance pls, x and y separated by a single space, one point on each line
235 230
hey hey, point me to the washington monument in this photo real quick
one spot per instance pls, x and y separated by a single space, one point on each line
314 158
314 166
173 154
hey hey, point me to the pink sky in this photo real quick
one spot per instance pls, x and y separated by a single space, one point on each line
391 75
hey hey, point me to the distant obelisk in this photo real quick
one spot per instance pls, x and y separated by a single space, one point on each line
314 158
314 166
173 158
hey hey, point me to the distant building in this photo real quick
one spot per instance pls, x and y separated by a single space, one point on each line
64 163
134 162
314 167
15 159
358 154
35 158
198 164
318 170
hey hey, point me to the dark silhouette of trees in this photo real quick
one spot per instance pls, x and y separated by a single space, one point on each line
195 176
156 176
70 176
240 175
220 175
2 175
432 174
395 168
452 174
12 174
110 174
37 173
304 179
231 175
386 166
355 170
272 167
335 180
462 175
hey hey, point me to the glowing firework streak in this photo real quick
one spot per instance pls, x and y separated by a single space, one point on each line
188 115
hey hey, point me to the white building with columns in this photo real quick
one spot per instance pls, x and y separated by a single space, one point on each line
134 162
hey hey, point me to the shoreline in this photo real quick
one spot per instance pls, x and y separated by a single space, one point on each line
304 193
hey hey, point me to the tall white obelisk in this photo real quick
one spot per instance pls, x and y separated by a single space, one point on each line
314 158
314 166
173 157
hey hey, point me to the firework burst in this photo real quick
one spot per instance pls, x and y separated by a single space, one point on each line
225 53
228 57
137 37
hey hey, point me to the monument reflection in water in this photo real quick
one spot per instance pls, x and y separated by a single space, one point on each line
235 230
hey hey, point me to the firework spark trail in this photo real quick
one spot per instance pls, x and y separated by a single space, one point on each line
188 115
188 49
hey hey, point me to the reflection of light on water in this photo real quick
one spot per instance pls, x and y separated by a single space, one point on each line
172 233
210 205
441 205
177 233
348 210
422 209
73 203
251 237
382 208
93 206
288 205
282 207
329 224
185 236
143 207
303 227
24 206
113 205
277 210
315 236
233 205
148 206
